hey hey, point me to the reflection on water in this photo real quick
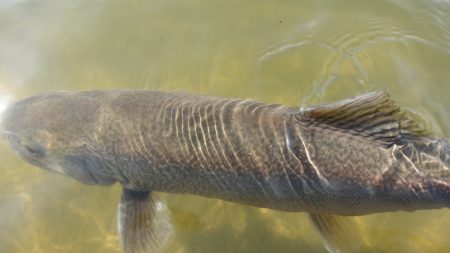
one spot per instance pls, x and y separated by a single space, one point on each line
291 52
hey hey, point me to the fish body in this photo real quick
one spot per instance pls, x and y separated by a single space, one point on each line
356 156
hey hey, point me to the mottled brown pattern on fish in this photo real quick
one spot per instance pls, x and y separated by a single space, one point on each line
200 145
356 156
353 157
238 150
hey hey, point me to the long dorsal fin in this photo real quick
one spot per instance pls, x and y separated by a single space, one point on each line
375 115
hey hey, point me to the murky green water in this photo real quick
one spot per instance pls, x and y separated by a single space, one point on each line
291 52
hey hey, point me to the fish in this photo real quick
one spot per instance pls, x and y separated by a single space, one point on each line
356 156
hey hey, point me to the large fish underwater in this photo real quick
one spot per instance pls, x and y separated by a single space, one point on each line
357 156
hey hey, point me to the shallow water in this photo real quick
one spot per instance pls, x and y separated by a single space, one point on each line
291 52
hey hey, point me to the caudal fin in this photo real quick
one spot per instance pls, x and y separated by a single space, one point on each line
144 222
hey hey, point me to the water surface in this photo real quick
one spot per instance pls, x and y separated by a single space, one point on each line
290 52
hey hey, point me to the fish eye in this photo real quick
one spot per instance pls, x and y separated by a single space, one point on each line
37 150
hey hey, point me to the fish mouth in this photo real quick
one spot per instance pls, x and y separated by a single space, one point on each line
34 150
12 139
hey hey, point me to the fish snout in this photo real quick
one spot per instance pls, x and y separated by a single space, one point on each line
5 103
11 138
7 121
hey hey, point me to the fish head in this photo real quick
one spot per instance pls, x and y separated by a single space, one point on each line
53 131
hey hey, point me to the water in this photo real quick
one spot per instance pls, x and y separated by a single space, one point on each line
291 52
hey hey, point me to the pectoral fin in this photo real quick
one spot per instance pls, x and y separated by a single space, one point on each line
339 234
144 223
